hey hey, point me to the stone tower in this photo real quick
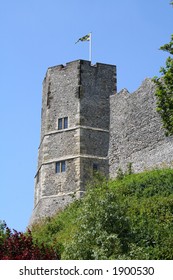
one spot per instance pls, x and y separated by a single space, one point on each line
74 132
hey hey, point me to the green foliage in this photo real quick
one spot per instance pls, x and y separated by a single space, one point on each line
56 230
131 218
101 225
164 90
129 168
121 174
2 231
2 227
152 226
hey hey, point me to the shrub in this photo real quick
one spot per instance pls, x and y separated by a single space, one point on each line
20 246
126 219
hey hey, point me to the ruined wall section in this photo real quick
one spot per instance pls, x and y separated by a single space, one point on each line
136 134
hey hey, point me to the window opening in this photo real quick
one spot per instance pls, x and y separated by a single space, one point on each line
60 166
66 122
63 166
62 123
59 123
95 167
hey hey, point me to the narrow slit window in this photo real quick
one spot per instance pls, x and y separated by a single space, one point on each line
38 177
95 167
49 96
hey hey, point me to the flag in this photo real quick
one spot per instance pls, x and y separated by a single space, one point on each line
85 38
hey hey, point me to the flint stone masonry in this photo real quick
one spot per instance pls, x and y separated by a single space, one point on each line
98 139
49 206
106 129
60 88
80 92
136 134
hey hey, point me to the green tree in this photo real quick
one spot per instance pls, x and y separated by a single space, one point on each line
127 218
164 89
2 231
130 218
102 227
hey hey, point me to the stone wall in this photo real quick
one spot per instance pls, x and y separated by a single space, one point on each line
48 206
60 99
60 88
97 84
105 130
136 134
79 91
87 172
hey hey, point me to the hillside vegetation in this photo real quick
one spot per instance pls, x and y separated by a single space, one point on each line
128 218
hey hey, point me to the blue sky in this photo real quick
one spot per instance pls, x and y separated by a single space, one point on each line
36 34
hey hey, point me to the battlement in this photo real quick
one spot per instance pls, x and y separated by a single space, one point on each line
79 64
81 61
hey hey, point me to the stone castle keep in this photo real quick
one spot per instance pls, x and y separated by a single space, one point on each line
86 126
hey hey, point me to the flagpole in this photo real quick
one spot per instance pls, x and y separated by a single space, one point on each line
90 47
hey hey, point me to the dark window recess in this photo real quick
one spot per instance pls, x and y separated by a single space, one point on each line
62 123
38 177
95 167
66 122
63 166
60 166
59 123
49 97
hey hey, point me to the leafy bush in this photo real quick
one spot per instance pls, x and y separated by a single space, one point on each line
56 230
2 231
127 219
102 226
131 218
